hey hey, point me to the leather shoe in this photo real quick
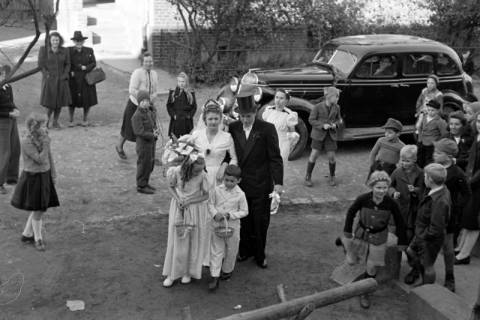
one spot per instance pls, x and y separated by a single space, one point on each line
225 275
412 276
28 239
463 261
262 264
242 258
153 188
145 190
213 284
40 245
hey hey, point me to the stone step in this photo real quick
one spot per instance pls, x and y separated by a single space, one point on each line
467 278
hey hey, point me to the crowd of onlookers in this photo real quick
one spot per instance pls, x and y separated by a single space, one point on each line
223 173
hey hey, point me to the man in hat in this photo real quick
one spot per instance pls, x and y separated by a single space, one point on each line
385 153
325 119
82 62
445 150
258 152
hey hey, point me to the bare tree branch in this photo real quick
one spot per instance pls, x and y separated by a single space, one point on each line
32 43
48 21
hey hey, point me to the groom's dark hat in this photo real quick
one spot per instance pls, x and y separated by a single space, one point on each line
246 102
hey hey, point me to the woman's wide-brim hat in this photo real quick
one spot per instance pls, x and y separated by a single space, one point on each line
245 100
78 36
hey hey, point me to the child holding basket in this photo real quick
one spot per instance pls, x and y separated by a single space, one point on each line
188 220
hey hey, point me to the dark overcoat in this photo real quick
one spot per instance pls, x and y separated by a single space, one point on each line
55 67
472 209
83 94
181 110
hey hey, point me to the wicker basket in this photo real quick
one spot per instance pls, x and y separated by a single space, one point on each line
183 228
224 231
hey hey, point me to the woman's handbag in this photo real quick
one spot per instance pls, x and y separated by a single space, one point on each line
95 76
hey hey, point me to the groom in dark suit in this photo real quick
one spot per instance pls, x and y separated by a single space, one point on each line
256 145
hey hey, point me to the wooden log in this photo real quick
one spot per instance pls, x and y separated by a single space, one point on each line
305 312
281 293
186 314
320 299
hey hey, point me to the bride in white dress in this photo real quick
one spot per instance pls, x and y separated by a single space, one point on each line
284 121
214 143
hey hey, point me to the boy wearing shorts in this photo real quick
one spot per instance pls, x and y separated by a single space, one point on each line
325 119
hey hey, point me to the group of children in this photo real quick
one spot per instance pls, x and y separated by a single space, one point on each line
430 185
198 217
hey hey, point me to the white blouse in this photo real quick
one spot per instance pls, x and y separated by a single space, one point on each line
140 80
283 121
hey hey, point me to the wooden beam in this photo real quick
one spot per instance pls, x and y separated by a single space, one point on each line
293 307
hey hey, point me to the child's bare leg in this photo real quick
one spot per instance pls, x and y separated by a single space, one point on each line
37 230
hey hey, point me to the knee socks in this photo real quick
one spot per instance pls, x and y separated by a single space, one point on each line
331 166
37 229
28 231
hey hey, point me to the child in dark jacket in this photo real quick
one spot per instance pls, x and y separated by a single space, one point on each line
9 138
444 153
407 186
430 226
386 151
432 128
144 124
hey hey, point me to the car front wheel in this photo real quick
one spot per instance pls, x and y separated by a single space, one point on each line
299 148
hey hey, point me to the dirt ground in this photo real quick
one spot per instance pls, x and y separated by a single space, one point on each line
106 242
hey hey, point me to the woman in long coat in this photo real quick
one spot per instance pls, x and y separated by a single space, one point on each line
469 223
82 62
54 61
181 107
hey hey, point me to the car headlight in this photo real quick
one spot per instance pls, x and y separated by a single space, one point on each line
258 95
250 78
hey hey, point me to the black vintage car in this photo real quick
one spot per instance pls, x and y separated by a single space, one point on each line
380 76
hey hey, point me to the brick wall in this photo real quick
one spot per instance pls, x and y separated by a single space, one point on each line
170 47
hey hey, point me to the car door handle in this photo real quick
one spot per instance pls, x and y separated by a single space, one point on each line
395 85
404 85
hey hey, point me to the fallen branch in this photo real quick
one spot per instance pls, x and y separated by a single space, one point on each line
293 307
305 312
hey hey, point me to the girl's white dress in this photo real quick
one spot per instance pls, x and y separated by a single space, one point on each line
214 153
284 121
185 255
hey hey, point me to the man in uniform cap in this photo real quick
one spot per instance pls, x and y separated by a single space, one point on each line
258 152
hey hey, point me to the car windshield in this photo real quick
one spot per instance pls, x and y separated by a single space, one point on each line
343 61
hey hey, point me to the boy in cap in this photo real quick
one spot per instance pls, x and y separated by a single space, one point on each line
407 186
430 226
144 125
386 151
444 153
431 129
325 119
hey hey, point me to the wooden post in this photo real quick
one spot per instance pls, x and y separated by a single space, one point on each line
305 312
293 307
